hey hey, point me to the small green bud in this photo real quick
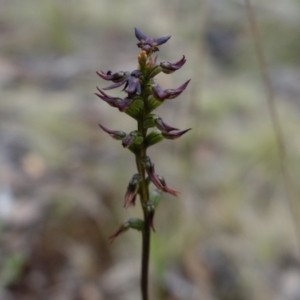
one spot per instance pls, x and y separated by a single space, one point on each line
155 197
134 137
136 223
153 138
155 70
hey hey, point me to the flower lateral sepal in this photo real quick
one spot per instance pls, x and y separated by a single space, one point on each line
174 134
161 125
121 104
161 94
132 190
133 223
115 134
169 68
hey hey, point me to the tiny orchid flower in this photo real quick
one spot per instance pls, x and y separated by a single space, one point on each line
162 95
116 134
149 44
169 68
121 104
174 134
132 83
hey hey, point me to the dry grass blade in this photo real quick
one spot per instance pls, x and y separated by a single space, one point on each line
279 136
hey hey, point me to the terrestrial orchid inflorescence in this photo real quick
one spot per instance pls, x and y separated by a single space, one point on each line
144 95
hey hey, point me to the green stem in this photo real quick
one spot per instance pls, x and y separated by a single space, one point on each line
144 197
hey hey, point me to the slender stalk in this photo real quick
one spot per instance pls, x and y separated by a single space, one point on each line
144 197
145 258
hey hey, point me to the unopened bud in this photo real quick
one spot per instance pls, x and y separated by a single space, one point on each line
133 137
132 190
150 214
116 134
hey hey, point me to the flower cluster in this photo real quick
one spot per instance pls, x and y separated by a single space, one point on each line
143 96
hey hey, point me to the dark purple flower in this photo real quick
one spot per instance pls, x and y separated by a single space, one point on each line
174 134
132 83
132 190
149 44
169 68
121 104
149 167
162 95
116 134
116 77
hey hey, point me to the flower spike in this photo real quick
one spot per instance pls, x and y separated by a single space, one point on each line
142 96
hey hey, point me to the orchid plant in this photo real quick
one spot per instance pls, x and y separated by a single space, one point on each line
144 95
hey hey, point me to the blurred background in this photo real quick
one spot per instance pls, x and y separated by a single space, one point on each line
229 235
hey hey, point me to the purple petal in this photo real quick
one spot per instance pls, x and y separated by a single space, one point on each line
162 40
114 85
139 35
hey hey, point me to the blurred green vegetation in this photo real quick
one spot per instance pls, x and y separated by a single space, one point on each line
229 234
